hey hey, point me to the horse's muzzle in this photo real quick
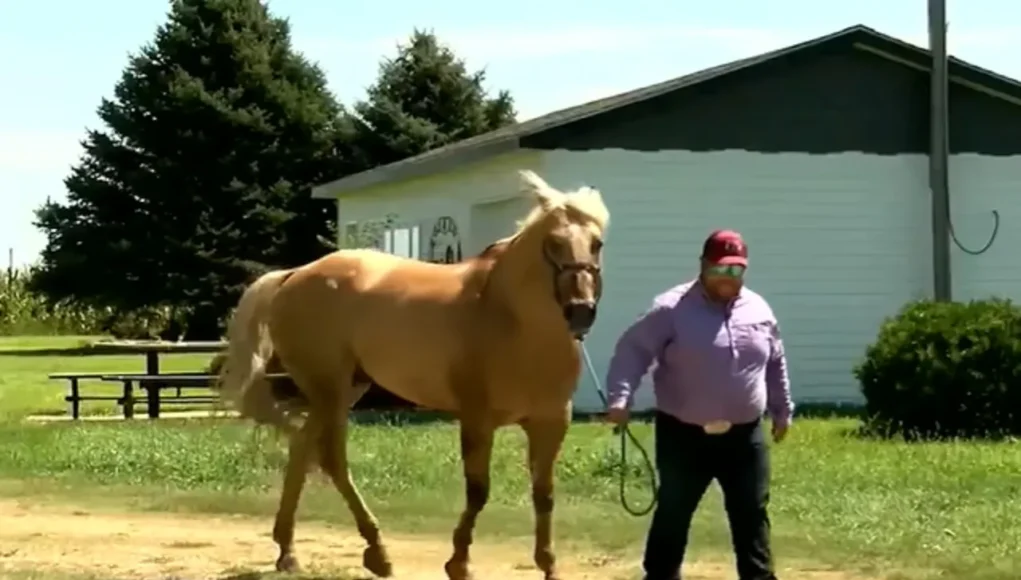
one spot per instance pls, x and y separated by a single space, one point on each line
580 317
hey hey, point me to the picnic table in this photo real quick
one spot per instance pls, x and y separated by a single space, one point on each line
152 349
152 380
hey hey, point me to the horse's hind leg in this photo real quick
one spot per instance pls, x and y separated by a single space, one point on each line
476 451
298 459
545 437
333 460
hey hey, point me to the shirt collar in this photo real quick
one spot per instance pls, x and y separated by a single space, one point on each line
729 306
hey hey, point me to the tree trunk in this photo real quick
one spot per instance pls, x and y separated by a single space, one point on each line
203 323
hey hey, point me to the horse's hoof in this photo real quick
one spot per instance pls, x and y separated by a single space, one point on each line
547 563
375 560
287 563
549 574
458 570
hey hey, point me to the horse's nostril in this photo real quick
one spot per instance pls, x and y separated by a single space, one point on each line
580 316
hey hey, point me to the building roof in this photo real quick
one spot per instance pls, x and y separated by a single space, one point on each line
507 139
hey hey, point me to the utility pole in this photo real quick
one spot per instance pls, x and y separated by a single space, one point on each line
939 152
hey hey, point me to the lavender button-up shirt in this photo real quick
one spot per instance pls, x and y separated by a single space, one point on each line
714 362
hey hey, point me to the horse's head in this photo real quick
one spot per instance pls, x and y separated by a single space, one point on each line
570 227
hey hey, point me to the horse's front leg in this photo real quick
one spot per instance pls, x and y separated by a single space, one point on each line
476 451
545 437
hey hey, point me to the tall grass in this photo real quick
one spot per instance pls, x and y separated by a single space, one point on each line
25 312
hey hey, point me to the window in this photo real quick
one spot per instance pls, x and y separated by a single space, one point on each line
384 235
402 241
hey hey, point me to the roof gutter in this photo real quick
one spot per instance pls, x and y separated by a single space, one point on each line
429 163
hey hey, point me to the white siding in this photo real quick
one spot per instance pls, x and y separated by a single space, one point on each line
979 185
836 242
421 201
496 220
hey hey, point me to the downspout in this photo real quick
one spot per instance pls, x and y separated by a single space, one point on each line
939 153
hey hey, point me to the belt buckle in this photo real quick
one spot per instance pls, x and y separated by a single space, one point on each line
717 427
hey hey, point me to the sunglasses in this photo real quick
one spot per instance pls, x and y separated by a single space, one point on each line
729 270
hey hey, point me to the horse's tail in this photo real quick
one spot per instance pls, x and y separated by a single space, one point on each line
242 380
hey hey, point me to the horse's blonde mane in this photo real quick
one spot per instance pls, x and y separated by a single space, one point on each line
586 201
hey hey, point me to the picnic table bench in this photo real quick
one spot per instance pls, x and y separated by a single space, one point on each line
75 398
127 399
154 382
153 385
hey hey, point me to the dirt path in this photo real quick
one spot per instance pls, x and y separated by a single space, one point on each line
159 546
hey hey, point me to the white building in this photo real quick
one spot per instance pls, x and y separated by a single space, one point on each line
817 153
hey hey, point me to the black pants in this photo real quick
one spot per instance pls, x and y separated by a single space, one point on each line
688 459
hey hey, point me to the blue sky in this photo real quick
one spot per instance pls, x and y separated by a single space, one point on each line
60 58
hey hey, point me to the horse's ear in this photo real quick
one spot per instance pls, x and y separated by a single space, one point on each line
537 188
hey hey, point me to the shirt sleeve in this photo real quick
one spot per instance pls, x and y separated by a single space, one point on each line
635 352
778 384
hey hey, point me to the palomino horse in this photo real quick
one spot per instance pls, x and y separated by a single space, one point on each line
491 340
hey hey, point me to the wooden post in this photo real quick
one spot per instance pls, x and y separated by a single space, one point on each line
152 398
152 391
128 399
76 404
152 362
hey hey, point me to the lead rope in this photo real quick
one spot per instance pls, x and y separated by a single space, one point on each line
625 435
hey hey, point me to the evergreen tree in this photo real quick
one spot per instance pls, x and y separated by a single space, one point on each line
212 140
423 99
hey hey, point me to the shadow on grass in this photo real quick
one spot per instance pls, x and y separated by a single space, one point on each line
299 576
407 417
830 411
399 418
876 431
804 411
85 350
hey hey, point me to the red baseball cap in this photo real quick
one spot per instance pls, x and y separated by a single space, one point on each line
724 248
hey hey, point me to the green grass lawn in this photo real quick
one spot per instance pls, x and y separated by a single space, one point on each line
890 509
947 510
25 363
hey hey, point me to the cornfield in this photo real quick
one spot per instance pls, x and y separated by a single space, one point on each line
26 313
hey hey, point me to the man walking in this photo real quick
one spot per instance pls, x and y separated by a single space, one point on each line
720 367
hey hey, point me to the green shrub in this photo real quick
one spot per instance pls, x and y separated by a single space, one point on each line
151 323
946 369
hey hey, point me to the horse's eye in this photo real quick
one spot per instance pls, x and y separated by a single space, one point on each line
597 245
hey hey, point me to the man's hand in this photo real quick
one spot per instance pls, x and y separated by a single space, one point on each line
618 415
780 431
